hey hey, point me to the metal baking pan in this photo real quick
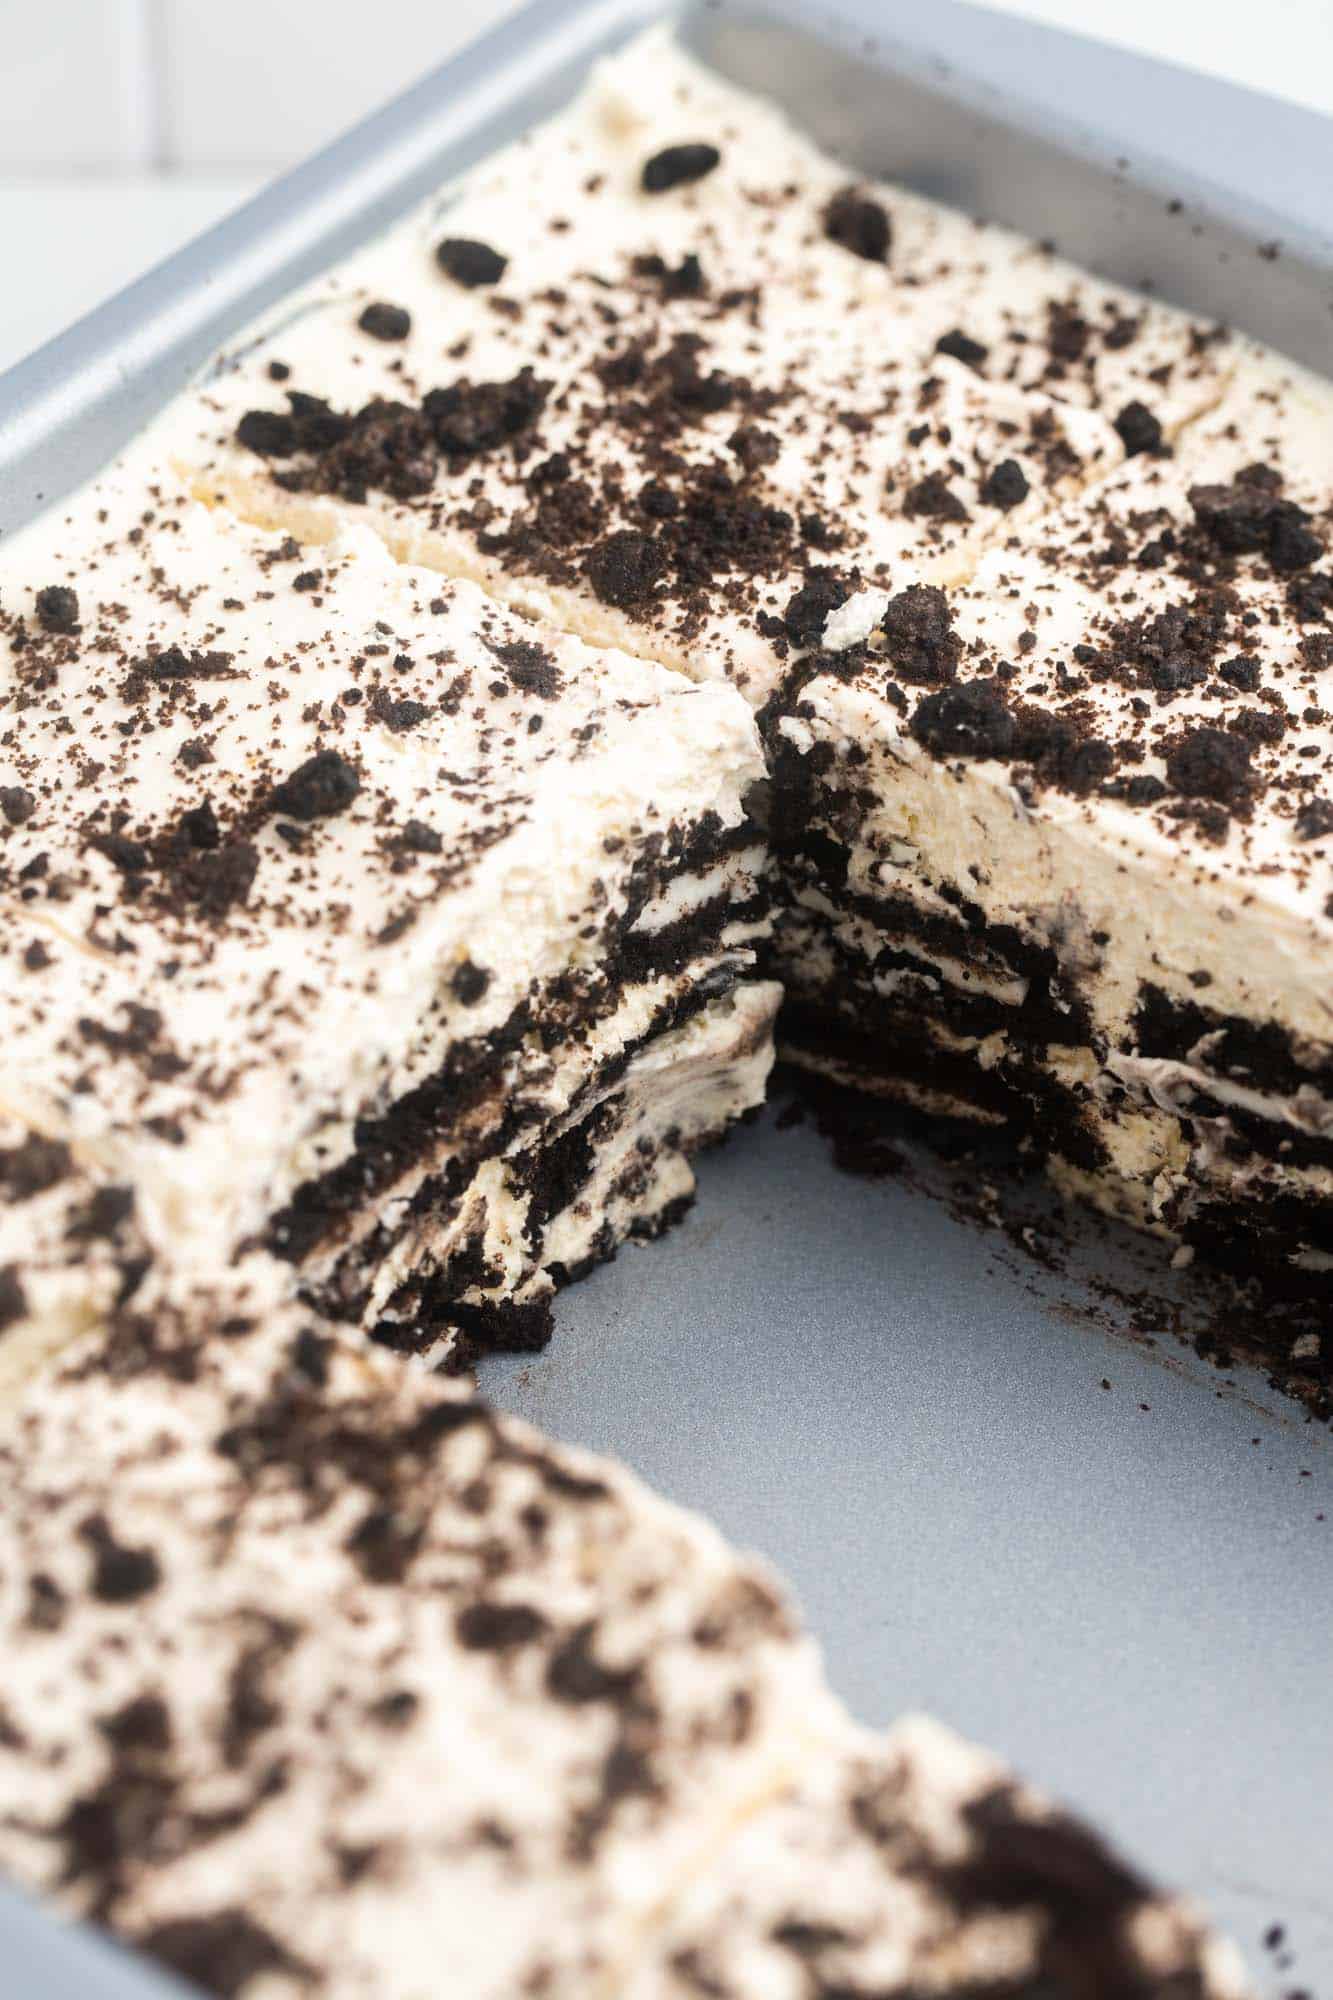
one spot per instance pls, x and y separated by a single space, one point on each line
1123 1588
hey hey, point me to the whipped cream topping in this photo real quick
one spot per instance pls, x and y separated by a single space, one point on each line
320 1674
894 1867
667 173
285 831
666 449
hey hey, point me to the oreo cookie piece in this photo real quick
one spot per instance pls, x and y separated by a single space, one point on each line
57 608
860 225
470 263
385 322
678 166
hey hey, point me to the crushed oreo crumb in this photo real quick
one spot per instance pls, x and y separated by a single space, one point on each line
470 263
120 1574
469 982
1138 429
17 804
1005 485
808 608
1242 673
421 839
680 281
57 608
1314 821
959 346
918 636
968 719
625 569
13 1298
325 784
1209 763
678 166
385 322
1250 517
933 499
856 223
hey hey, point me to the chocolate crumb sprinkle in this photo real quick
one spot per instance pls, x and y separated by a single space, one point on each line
17 804
120 1573
57 608
420 838
469 982
1138 429
470 263
1209 764
1005 485
385 322
856 223
325 784
625 569
678 166
968 719
1314 821
959 346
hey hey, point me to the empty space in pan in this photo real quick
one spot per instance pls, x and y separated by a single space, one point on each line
1121 1587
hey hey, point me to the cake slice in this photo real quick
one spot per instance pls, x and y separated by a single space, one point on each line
671 476
915 1863
658 451
350 915
1066 875
322 1677
847 249
664 174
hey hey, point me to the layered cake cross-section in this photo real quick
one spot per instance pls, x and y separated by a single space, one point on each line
350 916
1063 872
831 454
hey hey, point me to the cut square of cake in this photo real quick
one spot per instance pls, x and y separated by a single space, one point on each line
671 477
657 393
1066 876
352 915
322 1677
665 456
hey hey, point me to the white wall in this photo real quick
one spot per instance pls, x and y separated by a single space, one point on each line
128 125
208 85
186 86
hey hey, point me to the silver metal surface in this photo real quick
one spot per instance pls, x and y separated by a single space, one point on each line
1132 1602
1124 1590
43 1960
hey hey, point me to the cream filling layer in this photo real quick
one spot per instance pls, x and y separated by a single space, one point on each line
681 1090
